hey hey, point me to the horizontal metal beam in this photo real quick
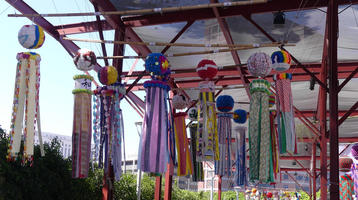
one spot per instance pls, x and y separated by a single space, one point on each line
83 27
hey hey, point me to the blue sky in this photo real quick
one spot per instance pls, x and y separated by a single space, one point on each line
57 69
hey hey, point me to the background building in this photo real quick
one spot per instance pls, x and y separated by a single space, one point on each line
65 141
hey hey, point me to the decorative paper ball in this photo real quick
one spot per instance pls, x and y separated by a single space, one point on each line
240 116
269 195
345 164
281 60
259 64
31 36
224 103
179 101
254 190
193 114
107 75
85 60
207 69
354 150
158 65
272 100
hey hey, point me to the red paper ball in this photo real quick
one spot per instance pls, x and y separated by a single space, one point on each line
269 195
207 69
345 164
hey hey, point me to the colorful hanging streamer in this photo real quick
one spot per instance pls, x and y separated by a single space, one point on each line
25 106
198 172
82 127
223 165
154 151
240 175
345 187
354 172
207 138
285 113
275 156
259 131
185 166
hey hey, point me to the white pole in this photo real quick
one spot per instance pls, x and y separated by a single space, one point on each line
139 183
212 188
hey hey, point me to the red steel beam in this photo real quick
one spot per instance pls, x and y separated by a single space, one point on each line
158 187
82 27
228 38
180 33
348 113
202 14
119 49
347 79
332 12
300 164
100 32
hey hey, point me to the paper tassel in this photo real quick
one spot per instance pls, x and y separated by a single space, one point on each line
198 172
223 165
25 105
259 131
82 127
285 113
185 166
240 175
207 137
154 142
345 187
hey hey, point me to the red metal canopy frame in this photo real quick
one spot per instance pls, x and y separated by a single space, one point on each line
303 72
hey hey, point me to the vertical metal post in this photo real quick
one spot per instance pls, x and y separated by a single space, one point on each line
322 110
219 188
158 187
314 187
333 98
168 182
212 188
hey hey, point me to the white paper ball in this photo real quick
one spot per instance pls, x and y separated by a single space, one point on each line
31 36
259 64
85 60
179 101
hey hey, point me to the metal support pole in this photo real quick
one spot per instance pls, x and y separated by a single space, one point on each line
212 188
158 187
139 183
322 110
219 188
168 182
333 98
314 187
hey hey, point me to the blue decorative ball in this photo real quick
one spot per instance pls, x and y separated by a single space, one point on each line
240 116
158 65
224 103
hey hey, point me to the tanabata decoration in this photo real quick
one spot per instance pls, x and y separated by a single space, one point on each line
259 132
274 152
207 138
185 165
107 75
85 60
259 64
198 171
346 187
285 113
193 114
82 126
224 103
345 164
272 100
240 116
154 151
354 172
31 36
240 174
108 128
354 150
25 111
281 60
